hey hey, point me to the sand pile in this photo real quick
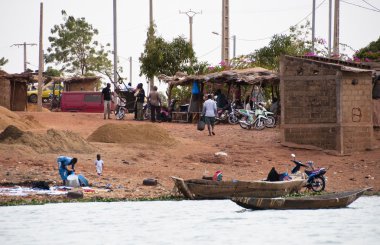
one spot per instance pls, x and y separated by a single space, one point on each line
8 117
131 133
34 107
52 141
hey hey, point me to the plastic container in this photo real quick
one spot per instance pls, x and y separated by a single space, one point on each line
72 180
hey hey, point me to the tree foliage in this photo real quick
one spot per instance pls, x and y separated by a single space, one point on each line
3 61
369 53
295 43
72 46
50 71
162 57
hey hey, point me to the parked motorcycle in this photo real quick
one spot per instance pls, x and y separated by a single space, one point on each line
223 114
252 119
316 179
234 116
146 111
121 109
270 120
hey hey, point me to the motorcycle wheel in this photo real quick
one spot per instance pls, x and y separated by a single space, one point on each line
120 115
217 121
232 119
270 122
243 123
147 114
259 124
318 184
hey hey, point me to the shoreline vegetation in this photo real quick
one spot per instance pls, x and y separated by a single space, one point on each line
22 201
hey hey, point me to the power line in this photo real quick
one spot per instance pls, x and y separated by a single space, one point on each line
360 6
286 30
24 44
370 5
209 52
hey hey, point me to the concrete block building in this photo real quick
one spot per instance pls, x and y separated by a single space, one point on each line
326 104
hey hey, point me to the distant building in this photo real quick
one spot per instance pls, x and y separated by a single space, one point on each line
13 90
81 84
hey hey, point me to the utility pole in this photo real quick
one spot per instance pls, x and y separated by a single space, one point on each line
313 29
233 37
234 46
24 44
130 69
225 31
190 13
151 79
150 13
330 19
115 75
336 30
41 60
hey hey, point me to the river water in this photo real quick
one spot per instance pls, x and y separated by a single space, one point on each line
188 222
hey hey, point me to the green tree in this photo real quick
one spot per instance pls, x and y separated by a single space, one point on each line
369 53
3 61
50 71
295 43
72 46
161 57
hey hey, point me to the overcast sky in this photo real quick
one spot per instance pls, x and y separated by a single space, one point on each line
249 20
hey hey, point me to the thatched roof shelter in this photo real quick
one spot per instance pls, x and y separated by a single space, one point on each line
248 76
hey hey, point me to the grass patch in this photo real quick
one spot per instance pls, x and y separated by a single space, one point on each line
22 202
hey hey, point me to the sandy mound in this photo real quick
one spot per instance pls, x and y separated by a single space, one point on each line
8 117
34 107
131 133
53 141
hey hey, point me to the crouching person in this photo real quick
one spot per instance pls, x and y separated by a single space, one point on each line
63 163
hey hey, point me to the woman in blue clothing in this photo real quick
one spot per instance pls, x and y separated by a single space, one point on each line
63 163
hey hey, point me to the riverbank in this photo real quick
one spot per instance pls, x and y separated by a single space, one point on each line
133 151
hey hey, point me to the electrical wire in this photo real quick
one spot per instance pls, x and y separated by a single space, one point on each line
209 52
269 37
360 6
370 5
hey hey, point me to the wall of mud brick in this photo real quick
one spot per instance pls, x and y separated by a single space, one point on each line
5 100
356 98
322 137
82 86
298 67
356 138
310 101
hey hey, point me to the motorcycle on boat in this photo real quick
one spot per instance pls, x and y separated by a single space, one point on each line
316 179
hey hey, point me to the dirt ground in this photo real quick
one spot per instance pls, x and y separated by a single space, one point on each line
133 151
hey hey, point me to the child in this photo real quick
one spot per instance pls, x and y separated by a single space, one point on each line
99 165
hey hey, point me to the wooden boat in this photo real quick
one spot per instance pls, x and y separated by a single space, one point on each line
209 189
331 200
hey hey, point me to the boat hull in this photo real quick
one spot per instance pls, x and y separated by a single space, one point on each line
208 189
332 200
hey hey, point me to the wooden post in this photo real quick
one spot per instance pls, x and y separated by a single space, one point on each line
228 91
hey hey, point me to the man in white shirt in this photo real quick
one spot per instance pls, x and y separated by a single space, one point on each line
209 112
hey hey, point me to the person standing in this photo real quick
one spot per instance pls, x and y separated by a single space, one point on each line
155 105
140 96
106 96
221 100
99 165
209 112
63 163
